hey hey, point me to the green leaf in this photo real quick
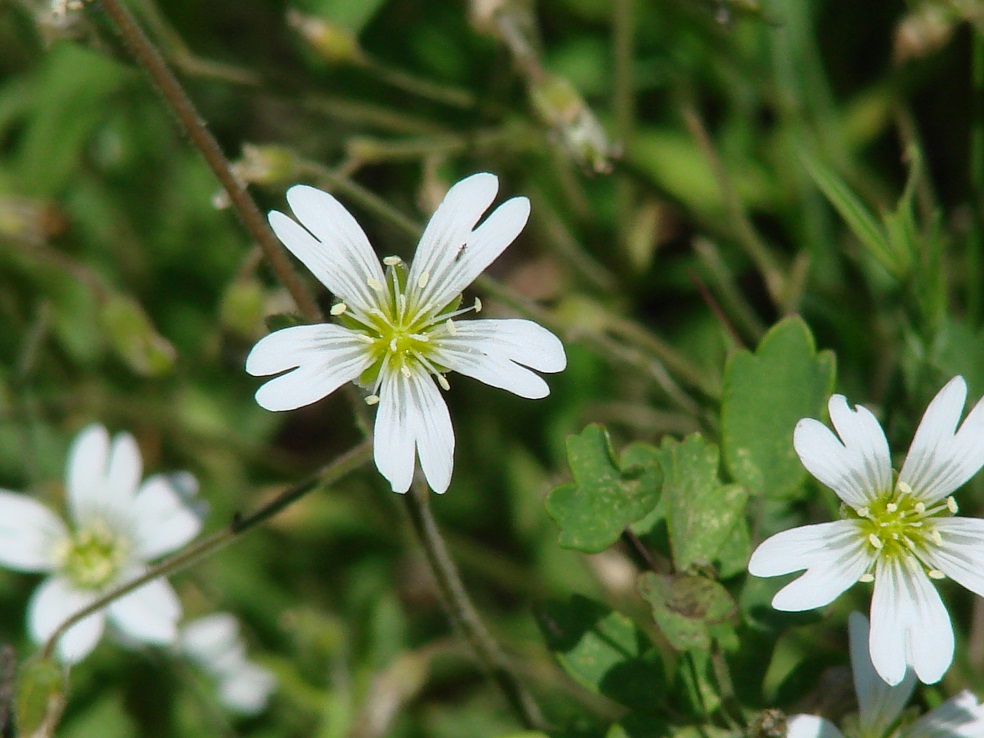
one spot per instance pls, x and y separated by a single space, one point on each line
603 651
605 496
700 511
684 607
41 688
765 395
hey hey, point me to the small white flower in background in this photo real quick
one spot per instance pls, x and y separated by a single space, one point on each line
397 331
118 524
880 705
899 533
213 643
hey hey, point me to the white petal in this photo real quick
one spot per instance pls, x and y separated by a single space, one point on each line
879 703
123 471
959 717
799 548
149 613
86 469
961 555
162 519
811 726
459 269
496 352
338 254
326 356
412 414
395 432
858 465
52 604
29 533
213 641
247 689
909 624
941 460
448 230
435 440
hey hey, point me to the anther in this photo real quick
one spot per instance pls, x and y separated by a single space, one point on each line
375 284
372 400
937 538
338 308
423 279
443 381
866 577
451 327
875 541
891 507
904 488
936 574
392 261
863 512
478 305
951 505
920 508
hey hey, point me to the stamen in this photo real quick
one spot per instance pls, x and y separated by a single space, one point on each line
375 284
936 574
338 308
478 305
951 505
443 381
891 507
405 371
863 512
402 300
392 261
422 337
875 541
451 327
372 400
866 577
937 538
904 488
423 279
920 508
393 345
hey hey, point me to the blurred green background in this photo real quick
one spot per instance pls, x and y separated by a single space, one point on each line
698 169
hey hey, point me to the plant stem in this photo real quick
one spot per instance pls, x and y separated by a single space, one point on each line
196 128
344 464
463 613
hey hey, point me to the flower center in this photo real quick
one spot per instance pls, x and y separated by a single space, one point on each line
898 524
93 557
401 336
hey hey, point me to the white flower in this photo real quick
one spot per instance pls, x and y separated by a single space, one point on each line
880 705
118 524
397 330
213 642
898 533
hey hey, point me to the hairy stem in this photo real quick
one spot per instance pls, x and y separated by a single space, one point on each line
196 128
463 613
344 464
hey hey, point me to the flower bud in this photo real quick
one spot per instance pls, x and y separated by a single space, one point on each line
332 42
134 337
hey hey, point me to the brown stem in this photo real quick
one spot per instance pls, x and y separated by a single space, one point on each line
197 129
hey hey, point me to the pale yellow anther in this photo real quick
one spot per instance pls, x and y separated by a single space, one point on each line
393 345
891 507
937 538
951 505
863 512
875 541
443 381
374 284
392 261
920 508
904 488
338 308
372 400
423 279
936 574
866 577
452 329
478 305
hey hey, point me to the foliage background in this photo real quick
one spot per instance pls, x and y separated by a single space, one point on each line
128 297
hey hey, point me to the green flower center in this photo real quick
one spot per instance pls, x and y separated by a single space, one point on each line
898 524
93 557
